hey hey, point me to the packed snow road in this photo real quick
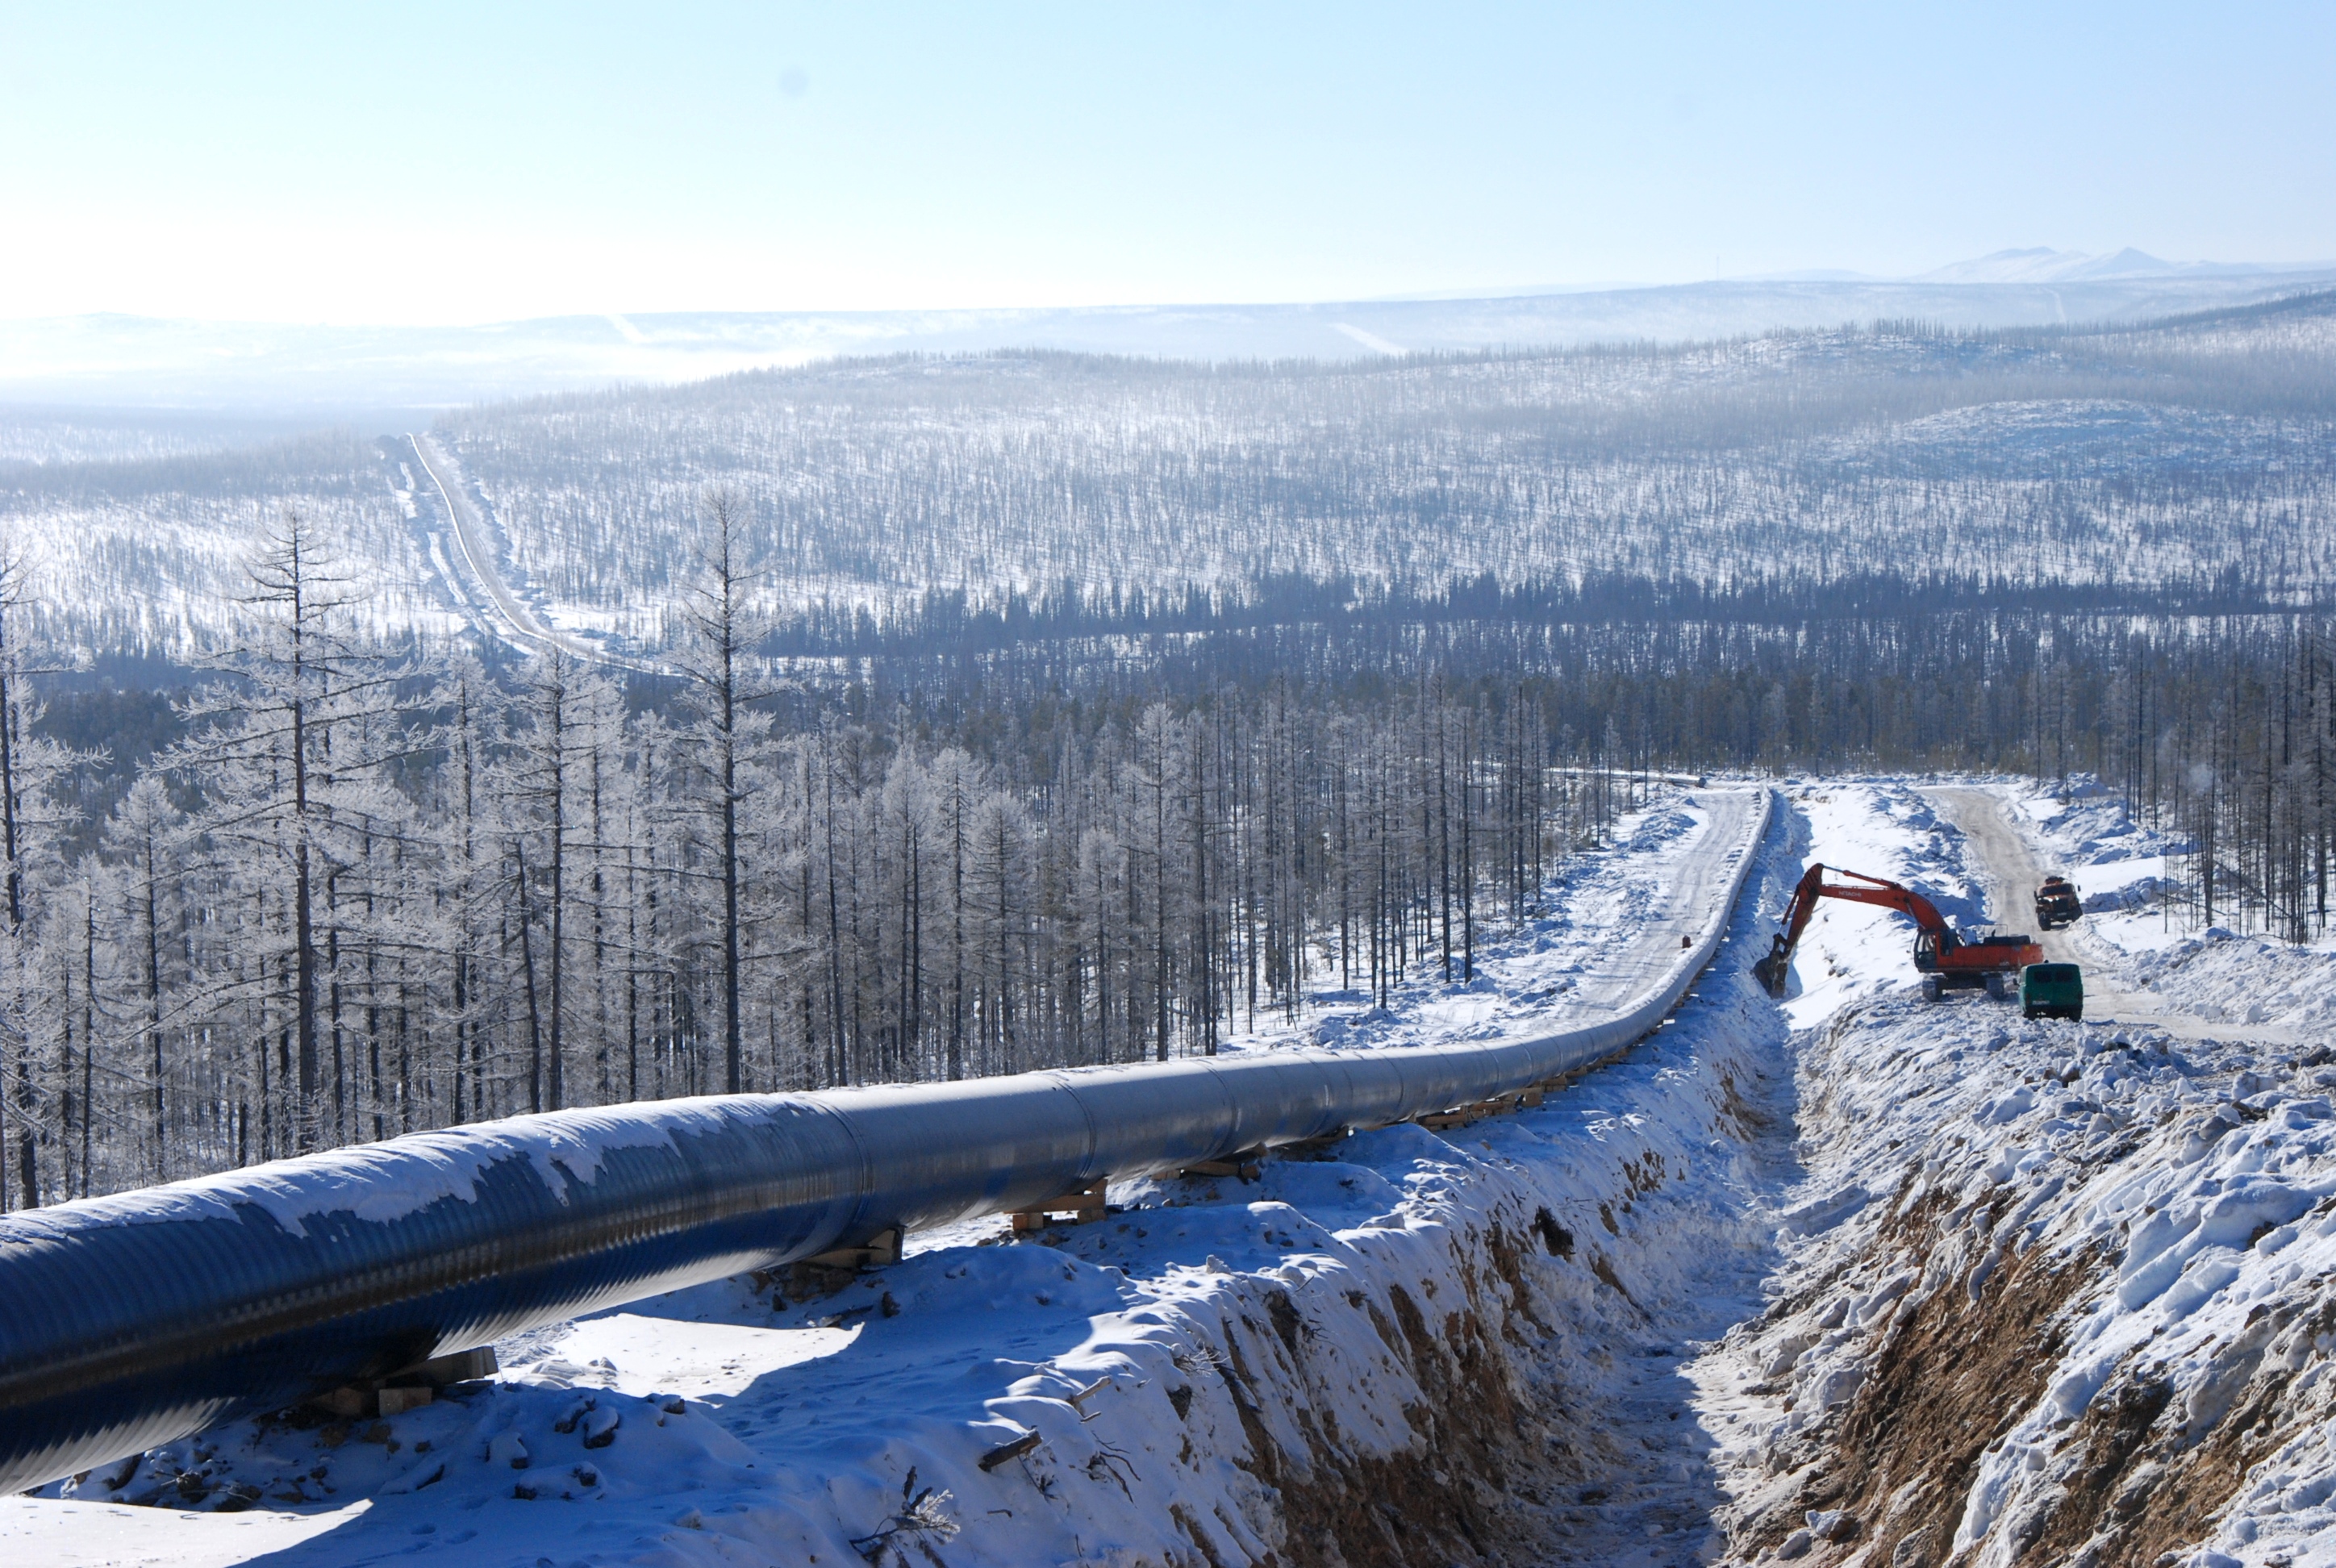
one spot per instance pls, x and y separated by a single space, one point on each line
2010 867
521 626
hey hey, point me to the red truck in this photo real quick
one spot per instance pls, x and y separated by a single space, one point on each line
2057 903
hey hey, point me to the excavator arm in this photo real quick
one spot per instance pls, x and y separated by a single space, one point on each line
1858 887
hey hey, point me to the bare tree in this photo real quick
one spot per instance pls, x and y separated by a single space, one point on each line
719 660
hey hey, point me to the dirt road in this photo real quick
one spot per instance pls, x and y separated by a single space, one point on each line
2010 871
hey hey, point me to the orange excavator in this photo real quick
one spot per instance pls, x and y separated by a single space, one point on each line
1945 959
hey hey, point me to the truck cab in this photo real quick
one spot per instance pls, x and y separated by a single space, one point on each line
2051 991
2057 903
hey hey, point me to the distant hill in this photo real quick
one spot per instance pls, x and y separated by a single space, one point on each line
2140 459
390 377
2045 266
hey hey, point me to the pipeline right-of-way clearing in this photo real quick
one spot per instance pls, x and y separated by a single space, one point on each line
130 1320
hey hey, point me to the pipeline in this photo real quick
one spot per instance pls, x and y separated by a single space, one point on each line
131 1320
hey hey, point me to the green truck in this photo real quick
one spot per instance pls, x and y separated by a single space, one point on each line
2051 991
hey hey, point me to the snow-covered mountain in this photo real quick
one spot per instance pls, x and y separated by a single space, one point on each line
2043 265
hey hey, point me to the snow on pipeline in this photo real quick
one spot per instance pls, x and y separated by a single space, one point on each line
1404 1348
2052 1292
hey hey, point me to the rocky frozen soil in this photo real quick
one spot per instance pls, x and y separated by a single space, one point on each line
1849 1279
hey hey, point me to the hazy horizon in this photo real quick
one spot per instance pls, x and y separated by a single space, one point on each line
1944 274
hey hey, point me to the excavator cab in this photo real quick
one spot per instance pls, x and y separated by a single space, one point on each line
1930 943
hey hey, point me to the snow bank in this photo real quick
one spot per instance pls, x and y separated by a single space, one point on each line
2223 976
2119 864
2089 826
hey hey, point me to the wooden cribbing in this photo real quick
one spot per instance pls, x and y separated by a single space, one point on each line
1498 1105
1082 1205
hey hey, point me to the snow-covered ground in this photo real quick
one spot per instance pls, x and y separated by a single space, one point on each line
1851 1278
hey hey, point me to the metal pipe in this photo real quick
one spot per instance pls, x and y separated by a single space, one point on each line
131 1320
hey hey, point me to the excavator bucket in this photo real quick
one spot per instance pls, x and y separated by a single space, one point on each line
1771 970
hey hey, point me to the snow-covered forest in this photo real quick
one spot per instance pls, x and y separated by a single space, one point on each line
362 892
2135 456
989 714
2039 458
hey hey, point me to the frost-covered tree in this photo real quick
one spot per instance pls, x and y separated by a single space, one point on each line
285 750
728 737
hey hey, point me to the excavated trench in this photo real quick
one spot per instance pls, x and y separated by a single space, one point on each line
1952 1374
1895 1349
1546 1419
1991 1365
1549 1411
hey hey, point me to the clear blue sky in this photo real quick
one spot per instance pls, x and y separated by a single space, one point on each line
486 160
